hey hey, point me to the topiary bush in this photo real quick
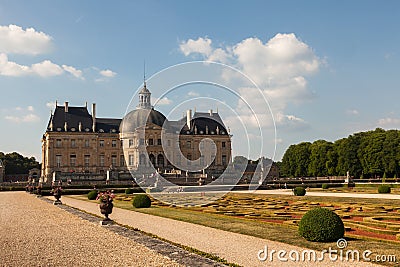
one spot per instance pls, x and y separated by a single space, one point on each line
129 191
321 225
92 195
141 201
384 189
325 186
299 191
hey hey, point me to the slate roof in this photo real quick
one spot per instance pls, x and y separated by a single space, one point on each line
76 115
203 120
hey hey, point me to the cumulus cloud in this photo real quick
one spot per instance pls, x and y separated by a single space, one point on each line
354 112
51 105
45 68
279 67
15 40
108 73
162 101
75 72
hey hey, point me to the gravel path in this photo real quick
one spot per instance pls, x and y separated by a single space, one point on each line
235 248
36 233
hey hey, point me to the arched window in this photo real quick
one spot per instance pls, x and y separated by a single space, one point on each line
160 160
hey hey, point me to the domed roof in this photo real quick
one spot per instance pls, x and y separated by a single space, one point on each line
140 117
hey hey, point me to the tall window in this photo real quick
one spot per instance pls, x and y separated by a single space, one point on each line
101 160
72 160
73 142
87 143
130 142
224 160
114 143
58 143
58 160
121 161
159 142
169 142
87 160
101 143
151 142
223 144
114 160
188 144
130 160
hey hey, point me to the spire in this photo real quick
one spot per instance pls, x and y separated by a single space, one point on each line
144 94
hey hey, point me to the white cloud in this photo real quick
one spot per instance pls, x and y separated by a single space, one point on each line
389 123
161 102
354 112
193 93
279 67
51 105
75 72
24 118
14 39
30 108
45 68
201 46
108 73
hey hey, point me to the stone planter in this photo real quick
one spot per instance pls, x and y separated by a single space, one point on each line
57 196
106 209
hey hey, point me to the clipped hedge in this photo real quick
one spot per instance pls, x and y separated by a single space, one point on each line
384 189
92 195
325 186
129 191
299 191
141 201
321 225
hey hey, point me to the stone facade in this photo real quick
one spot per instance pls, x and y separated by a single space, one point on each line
78 142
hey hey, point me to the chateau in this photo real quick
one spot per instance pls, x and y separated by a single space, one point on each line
144 141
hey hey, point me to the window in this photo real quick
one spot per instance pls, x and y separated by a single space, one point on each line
58 143
130 160
72 160
151 142
101 143
159 142
58 160
122 161
101 160
224 160
87 143
141 141
130 142
73 143
114 160
223 144
114 143
87 160
188 144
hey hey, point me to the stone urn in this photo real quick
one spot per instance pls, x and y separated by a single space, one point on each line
57 195
106 207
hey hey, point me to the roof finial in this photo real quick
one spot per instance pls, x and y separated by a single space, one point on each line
144 73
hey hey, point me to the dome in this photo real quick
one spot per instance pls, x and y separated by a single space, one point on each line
140 117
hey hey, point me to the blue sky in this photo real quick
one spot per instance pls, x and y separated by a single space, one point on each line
327 68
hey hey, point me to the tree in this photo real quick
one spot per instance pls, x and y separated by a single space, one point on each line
15 163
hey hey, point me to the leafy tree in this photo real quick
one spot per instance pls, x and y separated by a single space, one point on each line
15 163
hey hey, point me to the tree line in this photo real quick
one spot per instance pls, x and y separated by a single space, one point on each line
365 155
15 163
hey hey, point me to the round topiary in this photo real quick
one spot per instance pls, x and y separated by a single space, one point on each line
299 191
141 201
92 195
321 225
325 186
384 189
129 191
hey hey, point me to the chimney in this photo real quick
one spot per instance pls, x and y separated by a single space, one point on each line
211 112
66 106
188 117
94 117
